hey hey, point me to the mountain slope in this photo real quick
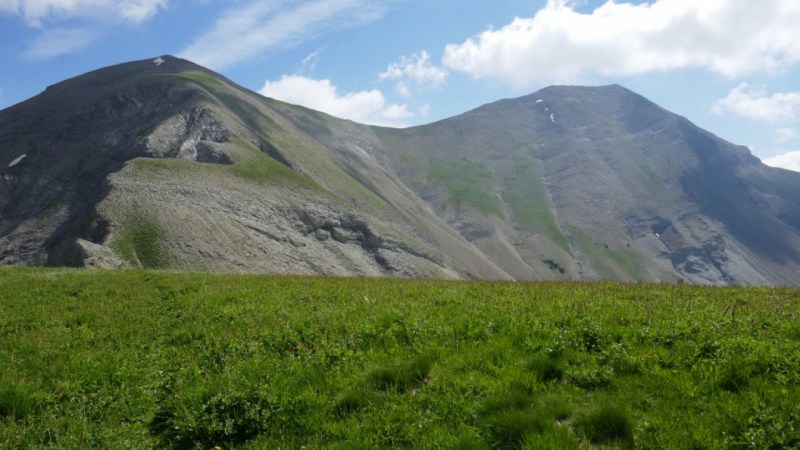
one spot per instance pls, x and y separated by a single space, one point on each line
600 182
170 165
162 163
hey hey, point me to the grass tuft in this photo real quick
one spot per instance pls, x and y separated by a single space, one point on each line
404 376
735 377
546 369
514 400
510 429
352 401
511 418
470 443
15 403
351 446
606 425
221 416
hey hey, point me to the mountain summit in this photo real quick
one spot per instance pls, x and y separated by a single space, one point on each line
163 163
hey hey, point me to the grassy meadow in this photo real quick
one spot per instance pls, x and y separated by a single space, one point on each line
146 359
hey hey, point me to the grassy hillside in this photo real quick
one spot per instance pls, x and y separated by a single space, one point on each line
140 359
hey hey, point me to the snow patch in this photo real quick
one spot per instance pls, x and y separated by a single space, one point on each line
553 118
539 101
17 160
159 61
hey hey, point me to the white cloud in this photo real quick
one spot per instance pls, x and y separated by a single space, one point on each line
311 60
9 6
558 44
424 110
246 31
35 12
369 107
785 134
759 105
416 68
788 160
57 42
403 89
92 15
140 10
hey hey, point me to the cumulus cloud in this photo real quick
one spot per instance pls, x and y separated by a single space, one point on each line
140 10
785 134
57 42
757 104
416 68
35 12
559 43
424 110
403 89
788 160
245 31
369 107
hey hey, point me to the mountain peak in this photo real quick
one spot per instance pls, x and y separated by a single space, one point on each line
129 72
578 92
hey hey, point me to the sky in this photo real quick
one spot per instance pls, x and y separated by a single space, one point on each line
730 66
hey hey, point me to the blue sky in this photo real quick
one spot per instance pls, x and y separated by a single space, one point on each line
731 66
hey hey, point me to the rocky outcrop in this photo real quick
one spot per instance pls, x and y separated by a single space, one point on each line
194 134
352 230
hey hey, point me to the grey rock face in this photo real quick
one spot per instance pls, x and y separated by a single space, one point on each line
194 135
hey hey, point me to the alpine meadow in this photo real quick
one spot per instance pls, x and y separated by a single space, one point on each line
144 359
189 264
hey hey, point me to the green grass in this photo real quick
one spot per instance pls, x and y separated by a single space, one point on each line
249 163
467 183
145 359
526 195
654 184
15 403
610 262
607 424
402 376
256 166
546 369
139 241
203 79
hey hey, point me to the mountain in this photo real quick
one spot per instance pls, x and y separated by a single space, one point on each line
163 163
